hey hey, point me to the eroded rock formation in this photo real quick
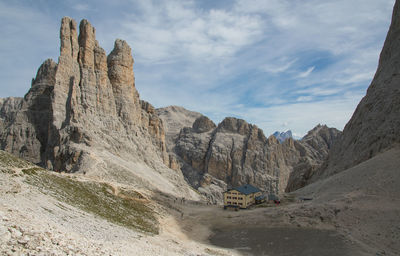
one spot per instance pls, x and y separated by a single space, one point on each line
84 114
235 152
313 150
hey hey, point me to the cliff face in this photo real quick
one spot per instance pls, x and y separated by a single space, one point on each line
235 152
313 151
83 114
375 124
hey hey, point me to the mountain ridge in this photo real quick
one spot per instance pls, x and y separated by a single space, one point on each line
282 136
84 114
216 157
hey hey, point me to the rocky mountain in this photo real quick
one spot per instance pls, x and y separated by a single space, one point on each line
175 118
282 136
83 114
213 157
313 151
375 124
230 154
362 169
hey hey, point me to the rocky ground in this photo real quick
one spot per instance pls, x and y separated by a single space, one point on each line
39 220
355 218
356 211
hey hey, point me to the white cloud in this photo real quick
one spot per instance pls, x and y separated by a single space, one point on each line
266 61
303 116
306 73
304 98
81 7
356 78
276 68
320 91
177 30
28 39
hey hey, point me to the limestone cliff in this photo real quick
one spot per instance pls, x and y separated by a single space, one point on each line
375 124
235 152
83 114
313 150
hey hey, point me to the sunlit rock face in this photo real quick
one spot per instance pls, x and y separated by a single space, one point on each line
235 152
84 114
375 124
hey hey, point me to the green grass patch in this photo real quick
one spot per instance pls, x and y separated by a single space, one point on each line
96 198
8 160
32 170
130 193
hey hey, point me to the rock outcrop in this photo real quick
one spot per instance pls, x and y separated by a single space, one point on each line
375 124
175 118
83 114
313 150
213 158
234 152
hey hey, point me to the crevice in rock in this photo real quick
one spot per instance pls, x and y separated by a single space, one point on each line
209 150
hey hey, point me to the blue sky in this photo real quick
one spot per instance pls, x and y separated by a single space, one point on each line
279 64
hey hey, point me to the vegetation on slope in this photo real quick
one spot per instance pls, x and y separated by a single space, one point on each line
8 160
127 208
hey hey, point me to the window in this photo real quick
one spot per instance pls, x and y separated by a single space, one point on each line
240 204
234 203
240 198
229 202
229 197
234 197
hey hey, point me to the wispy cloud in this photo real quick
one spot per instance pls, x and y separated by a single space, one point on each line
177 30
304 98
306 73
81 7
276 68
28 38
267 61
334 112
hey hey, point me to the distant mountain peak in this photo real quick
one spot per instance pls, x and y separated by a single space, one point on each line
282 136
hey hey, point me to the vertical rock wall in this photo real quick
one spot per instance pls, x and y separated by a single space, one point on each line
87 100
375 124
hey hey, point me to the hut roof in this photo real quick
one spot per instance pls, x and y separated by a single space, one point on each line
247 189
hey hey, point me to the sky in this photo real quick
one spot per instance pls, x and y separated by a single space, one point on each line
279 64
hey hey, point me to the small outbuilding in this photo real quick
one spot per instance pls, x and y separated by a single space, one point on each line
242 196
260 199
272 197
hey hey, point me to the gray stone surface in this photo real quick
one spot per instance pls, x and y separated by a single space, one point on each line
83 114
236 152
375 124
313 151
